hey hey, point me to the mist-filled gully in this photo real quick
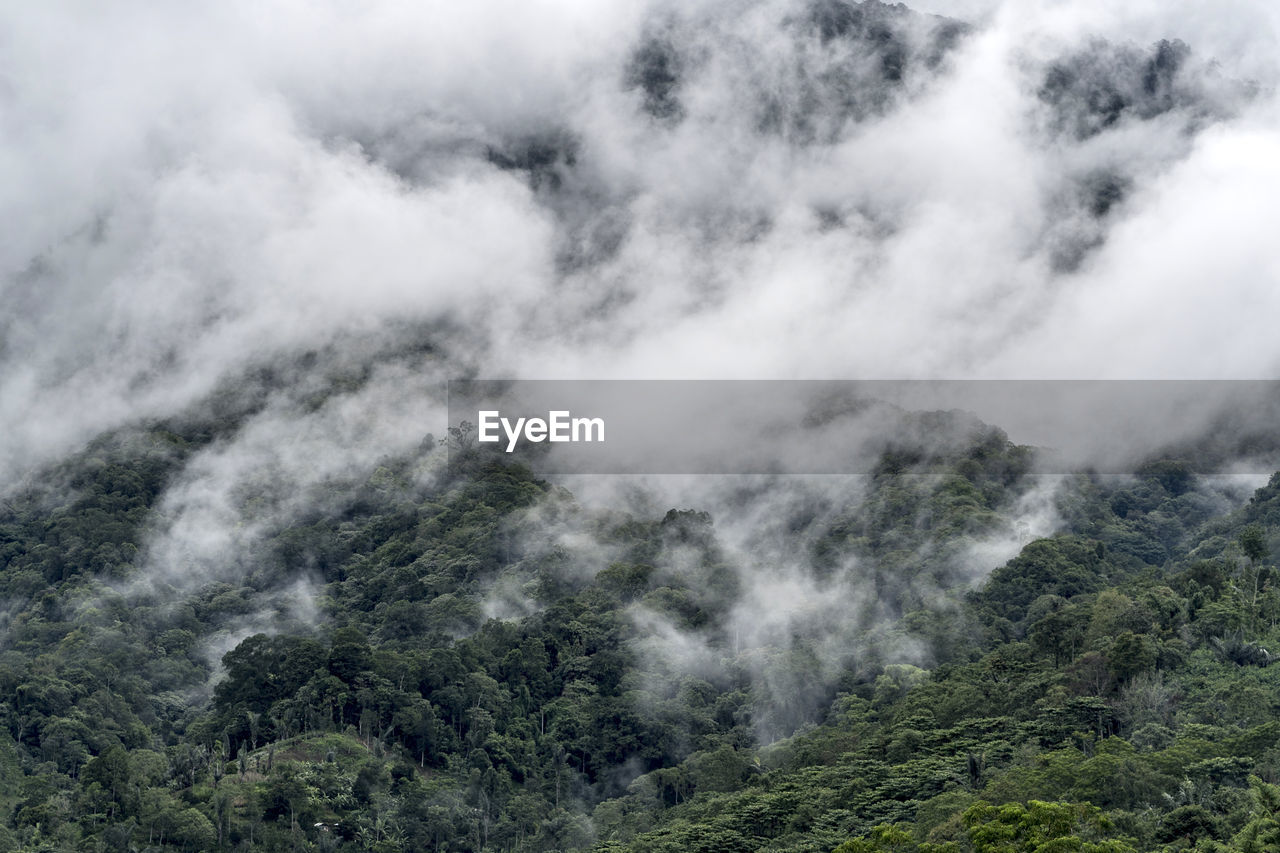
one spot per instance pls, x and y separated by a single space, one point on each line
254 596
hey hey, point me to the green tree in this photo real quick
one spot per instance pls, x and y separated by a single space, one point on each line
349 654
1262 833
1253 542
1040 827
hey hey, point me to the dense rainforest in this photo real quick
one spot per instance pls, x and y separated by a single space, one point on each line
487 663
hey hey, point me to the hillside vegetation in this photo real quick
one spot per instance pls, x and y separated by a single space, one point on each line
1107 689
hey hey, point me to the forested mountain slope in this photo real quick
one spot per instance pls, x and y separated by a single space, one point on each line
479 668
247 603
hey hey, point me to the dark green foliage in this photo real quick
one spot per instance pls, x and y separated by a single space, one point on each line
1108 689
262 670
89 517
1064 566
1253 543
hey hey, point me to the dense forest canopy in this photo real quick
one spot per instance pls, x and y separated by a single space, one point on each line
486 663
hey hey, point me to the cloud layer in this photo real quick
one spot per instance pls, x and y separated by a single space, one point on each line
798 190
401 193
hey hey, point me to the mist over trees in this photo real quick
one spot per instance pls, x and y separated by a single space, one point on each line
249 601
493 665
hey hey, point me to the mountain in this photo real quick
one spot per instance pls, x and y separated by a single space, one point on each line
259 590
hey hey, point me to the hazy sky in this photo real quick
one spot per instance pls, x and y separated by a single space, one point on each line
193 189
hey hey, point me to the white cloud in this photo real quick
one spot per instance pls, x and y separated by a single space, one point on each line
194 190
